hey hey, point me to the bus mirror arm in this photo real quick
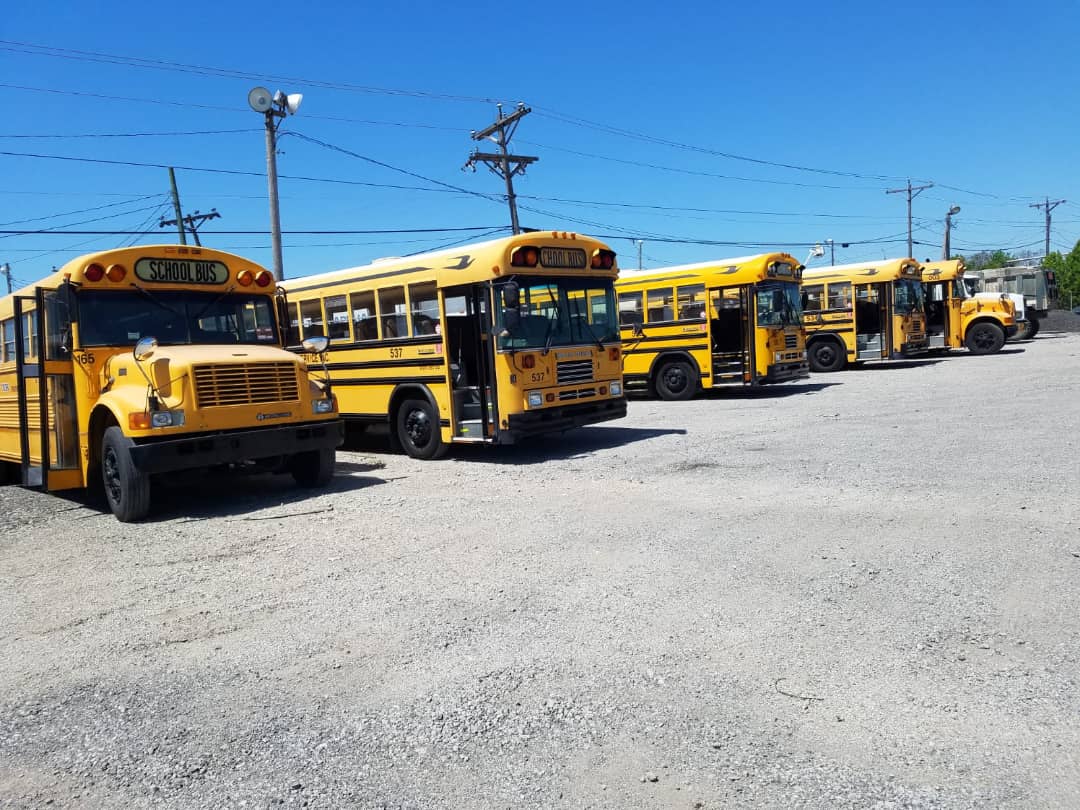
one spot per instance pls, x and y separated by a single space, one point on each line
639 329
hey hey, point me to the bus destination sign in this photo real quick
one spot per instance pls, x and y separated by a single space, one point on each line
181 271
573 258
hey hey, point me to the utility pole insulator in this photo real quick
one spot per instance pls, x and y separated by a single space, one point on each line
193 221
912 193
1049 206
503 163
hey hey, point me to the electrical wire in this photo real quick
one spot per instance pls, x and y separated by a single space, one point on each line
133 134
5 233
78 211
58 232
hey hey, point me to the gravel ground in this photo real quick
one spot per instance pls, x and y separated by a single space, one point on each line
854 592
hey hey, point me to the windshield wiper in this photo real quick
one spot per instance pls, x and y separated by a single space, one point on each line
157 301
551 323
207 308
583 318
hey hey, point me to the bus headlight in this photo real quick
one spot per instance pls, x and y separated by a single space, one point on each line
616 389
536 399
322 406
778 357
155 419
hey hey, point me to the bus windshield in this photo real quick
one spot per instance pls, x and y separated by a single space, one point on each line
908 296
174 317
557 312
779 304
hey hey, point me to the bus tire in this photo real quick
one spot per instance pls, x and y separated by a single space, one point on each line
826 356
1028 330
127 490
313 468
418 429
675 380
984 337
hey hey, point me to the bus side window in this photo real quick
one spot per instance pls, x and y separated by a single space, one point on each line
362 304
311 318
840 295
630 311
392 315
692 302
424 303
660 305
292 336
337 318
9 340
811 297
30 327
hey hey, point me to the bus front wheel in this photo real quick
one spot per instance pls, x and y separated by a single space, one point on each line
984 338
675 381
418 430
126 488
313 468
825 356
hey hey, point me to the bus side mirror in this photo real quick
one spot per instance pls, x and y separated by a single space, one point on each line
639 329
511 296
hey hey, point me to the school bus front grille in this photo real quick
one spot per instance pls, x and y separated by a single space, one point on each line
569 372
581 393
245 384
791 341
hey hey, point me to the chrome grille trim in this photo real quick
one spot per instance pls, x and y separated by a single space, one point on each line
221 384
569 372
791 341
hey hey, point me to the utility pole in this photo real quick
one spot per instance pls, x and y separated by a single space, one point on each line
832 251
946 249
503 163
640 244
179 221
912 193
6 270
193 221
1049 206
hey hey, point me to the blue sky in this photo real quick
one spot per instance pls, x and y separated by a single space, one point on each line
977 97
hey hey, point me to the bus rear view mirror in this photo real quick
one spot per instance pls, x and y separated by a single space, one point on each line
316 344
639 329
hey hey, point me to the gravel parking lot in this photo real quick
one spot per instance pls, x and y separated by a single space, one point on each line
860 591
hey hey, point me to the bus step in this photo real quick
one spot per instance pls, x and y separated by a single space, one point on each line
470 428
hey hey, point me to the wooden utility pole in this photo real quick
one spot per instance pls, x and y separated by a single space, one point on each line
912 193
1049 206
503 163
6 270
179 221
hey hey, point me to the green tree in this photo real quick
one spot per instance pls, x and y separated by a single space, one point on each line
1067 272
987 258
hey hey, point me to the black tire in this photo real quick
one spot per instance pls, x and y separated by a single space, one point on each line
418 429
675 380
984 338
826 356
1024 331
313 468
127 490
1033 328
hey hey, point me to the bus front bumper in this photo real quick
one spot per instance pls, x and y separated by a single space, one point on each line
785 372
209 449
913 349
563 417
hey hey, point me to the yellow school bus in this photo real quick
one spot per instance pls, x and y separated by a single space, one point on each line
488 343
724 322
957 320
860 312
148 360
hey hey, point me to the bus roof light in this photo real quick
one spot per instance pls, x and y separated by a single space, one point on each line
525 256
94 272
116 272
264 278
244 278
603 259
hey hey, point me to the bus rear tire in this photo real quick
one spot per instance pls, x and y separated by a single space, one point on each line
127 490
418 430
675 381
1028 330
313 468
826 356
984 338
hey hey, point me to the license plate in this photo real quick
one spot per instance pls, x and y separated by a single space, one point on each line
562 257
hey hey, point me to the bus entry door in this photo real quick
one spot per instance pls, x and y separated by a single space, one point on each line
470 352
871 322
48 423
731 334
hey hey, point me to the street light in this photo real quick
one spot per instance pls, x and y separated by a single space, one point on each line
948 229
275 108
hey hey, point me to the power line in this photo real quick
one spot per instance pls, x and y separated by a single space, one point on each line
132 134
55 231
79 211
204 70
80 222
